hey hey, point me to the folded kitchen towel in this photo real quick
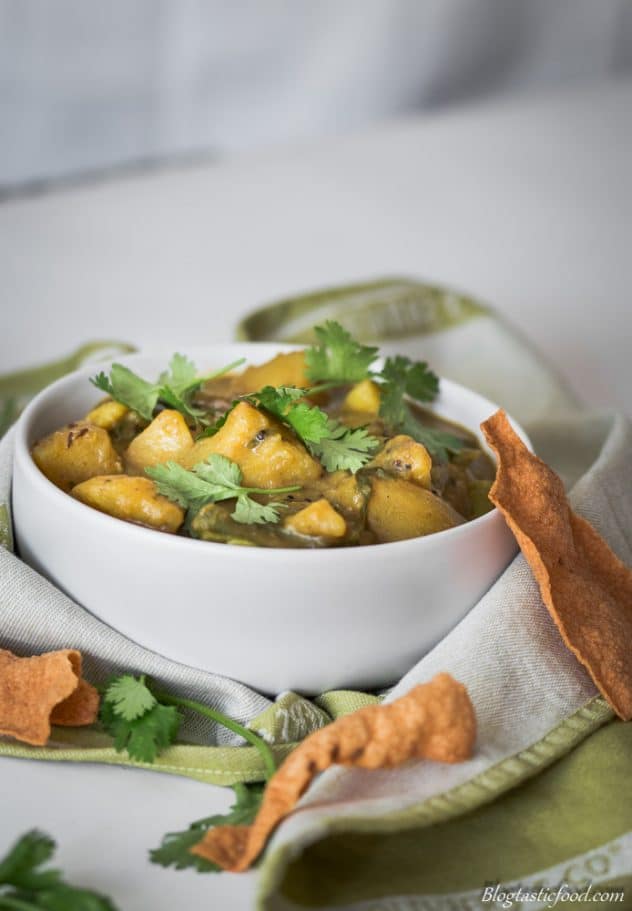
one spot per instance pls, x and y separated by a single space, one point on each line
547 790
546 797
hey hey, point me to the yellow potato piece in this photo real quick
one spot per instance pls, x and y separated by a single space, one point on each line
75 453
398 510
268 455
166 439
342 491
319 519
363 397
282 370
132 499
107 414
408 459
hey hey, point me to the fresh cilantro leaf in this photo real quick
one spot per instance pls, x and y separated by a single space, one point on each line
19 866
156 727
25 887
401 377
130 696
338 447
209 482
178 383
175 387
308 422
211 429
338 357
345 448
181 375
129 389
175 850
183 487
146 735
277 399
414 377
249 512
221 472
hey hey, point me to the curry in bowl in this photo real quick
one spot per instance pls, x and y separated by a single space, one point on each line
315 448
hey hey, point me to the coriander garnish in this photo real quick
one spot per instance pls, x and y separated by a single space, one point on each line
213 480
143 720
25 886
175 387
338 447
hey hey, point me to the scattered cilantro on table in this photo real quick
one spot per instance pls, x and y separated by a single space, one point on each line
24 886
175 849
143 720
175 387
218 478
132 715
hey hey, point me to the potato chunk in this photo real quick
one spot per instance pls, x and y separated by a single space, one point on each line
268 455
107 414
318 520
132 499
363 397
398 510
75 453
167 438
343 492
406 458
282 370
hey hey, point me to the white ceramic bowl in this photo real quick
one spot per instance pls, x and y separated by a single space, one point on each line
308 620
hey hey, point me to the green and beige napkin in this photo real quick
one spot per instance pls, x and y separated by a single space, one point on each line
546 797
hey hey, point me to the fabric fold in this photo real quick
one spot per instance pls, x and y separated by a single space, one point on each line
532 697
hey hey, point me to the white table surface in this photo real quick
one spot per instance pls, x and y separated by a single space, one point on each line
527 204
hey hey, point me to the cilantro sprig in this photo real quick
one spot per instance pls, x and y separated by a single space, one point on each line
401 377
144 721
214 480
175 387
139 724
338 357
25 886
175 849
338 447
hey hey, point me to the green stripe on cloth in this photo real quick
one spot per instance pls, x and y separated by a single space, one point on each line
212 765
6 531
18 387
389 308
465 798
578 804
283 724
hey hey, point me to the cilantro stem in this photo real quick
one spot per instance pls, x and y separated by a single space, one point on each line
234 726
272 491
324 387
216 374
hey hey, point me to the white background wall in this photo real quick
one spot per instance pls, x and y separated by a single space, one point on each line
86 85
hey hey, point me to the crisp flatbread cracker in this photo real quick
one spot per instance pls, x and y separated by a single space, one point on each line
584 585
434 720
43 690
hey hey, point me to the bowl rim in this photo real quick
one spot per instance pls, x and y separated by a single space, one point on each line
81 512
